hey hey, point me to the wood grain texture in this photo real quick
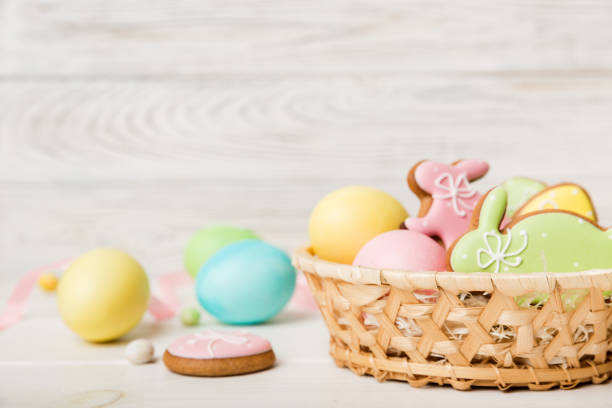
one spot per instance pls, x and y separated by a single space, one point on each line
131 123
292 128
75 37
141 164
61 370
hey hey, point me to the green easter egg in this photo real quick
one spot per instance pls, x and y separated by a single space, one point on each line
206 242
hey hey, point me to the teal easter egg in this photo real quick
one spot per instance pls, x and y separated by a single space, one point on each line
246 282
206 242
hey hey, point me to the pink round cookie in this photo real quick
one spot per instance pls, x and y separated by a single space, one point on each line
213 353
447 198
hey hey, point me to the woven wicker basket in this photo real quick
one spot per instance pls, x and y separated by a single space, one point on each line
473 332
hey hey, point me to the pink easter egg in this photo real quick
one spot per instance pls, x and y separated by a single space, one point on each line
402 249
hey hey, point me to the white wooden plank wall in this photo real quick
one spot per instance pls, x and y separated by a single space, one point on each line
132 123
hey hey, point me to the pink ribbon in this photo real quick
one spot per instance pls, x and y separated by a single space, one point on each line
18 300
163 307
167 304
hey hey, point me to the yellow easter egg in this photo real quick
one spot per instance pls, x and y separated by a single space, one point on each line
103 294
567 196
344 220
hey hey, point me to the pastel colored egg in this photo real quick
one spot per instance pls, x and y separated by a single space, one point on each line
47 282
246 282
103 294
403 250
206 242
190 316
344 220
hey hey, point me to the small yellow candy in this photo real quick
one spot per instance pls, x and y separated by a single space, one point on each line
47 282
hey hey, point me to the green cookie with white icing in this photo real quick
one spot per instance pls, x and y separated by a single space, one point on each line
520 190
550 241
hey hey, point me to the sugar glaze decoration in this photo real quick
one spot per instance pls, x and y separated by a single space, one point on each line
565 196
520 190
447 198
500 254
211 344
210 337
457 190
545 241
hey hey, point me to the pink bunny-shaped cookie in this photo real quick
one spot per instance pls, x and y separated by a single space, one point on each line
447 199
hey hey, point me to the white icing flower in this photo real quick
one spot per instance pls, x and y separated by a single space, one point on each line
500 255
457 190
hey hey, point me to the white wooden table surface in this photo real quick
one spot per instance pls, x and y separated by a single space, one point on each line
131 123
43 364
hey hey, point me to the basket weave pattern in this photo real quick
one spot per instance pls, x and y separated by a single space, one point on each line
381 325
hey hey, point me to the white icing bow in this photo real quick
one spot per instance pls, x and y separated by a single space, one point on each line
500 254
457 190
213 336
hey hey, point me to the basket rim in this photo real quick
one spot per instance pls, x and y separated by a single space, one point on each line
303 259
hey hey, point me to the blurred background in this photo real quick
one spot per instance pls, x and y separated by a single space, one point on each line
133 123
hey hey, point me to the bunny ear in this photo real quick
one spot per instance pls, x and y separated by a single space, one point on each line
493 209
474 169
426 173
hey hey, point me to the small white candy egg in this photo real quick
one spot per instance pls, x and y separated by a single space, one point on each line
139 351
